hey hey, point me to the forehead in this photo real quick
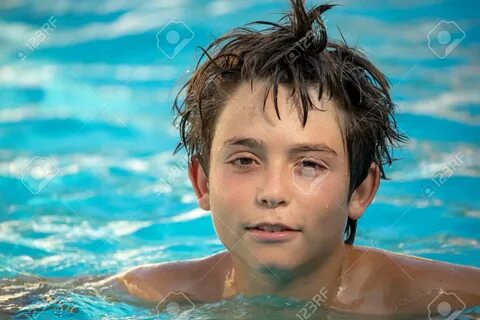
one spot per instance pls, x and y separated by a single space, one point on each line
244 115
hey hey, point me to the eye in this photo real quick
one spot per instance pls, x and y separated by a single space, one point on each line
242 162
311 164
310 168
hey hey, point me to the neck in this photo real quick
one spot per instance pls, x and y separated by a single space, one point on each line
321 277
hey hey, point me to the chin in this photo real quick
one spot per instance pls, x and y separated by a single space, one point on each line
276 260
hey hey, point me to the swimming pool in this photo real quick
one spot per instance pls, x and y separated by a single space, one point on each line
88 183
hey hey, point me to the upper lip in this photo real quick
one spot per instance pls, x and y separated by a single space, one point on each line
284 226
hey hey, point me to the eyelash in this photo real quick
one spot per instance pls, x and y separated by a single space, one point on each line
320 166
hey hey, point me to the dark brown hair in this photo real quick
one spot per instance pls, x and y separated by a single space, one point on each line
296 52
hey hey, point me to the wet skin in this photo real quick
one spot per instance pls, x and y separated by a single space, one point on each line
266 169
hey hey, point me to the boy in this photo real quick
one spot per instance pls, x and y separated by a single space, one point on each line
287 133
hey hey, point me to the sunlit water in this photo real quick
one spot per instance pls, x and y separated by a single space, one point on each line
91 103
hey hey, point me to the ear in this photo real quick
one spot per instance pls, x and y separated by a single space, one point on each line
364 193
200 183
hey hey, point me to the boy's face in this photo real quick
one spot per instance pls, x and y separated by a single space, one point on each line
272 182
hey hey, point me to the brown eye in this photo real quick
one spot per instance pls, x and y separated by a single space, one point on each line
242 162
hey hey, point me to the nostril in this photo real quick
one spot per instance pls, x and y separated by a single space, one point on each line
270 203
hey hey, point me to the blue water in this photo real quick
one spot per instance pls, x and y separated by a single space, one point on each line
90 102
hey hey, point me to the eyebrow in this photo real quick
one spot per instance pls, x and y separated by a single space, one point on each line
256 144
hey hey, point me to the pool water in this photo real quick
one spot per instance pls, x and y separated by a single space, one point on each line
88 183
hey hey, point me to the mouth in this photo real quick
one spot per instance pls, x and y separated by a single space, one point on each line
276 232
271 227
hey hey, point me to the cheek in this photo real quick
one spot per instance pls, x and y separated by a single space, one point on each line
229 188
228 194
331 193
327 205
324 225
227 198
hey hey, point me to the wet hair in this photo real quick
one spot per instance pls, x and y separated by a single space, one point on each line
294 52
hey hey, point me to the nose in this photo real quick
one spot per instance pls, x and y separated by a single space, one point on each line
271 203
272 192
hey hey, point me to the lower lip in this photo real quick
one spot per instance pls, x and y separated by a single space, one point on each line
273 236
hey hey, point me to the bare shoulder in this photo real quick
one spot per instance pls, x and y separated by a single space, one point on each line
418 282
199 279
